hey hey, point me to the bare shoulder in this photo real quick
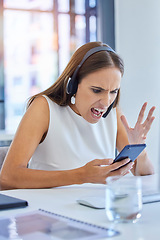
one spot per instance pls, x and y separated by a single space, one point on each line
38 108
39 103
37 115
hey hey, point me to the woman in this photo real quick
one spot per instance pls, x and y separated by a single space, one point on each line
70 131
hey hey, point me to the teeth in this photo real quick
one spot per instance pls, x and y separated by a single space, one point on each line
99 110
97 115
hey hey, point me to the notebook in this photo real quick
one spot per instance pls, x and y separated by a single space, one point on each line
41 224
7 202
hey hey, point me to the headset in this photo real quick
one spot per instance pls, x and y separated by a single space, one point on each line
72 84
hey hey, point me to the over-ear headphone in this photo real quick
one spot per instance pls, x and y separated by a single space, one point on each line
72 84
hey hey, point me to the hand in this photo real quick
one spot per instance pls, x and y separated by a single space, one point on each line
138 134
98 170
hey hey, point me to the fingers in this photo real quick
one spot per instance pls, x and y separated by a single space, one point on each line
148 122
99 162
140 117
147 127
139 132
122 163
125 123
98 170
141 114
151 112
122 171
149 117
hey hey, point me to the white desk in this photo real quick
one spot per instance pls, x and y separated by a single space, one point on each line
63 201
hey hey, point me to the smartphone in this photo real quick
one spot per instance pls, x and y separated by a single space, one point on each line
130 151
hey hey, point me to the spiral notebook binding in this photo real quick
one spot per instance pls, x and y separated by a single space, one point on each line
75 220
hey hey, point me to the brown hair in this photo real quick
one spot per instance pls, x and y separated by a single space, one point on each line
102 59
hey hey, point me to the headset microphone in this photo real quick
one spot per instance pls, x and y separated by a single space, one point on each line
108 110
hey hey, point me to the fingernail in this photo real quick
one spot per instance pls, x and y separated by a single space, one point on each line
128 160
132 164
110 161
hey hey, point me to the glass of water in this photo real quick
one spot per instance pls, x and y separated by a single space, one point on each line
124 199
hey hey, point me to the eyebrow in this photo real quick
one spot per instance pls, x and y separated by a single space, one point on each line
99 88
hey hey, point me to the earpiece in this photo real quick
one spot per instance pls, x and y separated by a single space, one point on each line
69 86
72 84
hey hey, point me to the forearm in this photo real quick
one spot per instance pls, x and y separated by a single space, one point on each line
143 165
30 178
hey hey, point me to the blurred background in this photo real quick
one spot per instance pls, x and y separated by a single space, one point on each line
37 38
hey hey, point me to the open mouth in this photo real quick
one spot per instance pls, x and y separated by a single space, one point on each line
97 112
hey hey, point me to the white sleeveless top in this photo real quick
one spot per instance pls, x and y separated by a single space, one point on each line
71 141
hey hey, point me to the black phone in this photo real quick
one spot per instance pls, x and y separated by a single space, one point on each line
130 151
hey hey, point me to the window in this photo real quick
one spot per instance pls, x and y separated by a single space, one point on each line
37 39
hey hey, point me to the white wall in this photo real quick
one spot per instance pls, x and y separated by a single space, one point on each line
137 32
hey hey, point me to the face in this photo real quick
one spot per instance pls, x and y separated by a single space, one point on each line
96 92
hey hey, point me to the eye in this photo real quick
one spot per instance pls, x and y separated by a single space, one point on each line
96 90
114 91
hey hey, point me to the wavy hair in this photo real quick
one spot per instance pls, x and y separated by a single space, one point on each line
99 60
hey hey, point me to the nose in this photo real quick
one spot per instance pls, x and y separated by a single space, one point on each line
106 100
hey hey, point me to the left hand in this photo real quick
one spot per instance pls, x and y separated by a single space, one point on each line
138 134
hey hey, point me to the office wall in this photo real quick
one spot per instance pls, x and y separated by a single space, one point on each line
137 40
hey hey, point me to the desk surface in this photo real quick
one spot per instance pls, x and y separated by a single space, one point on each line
63 201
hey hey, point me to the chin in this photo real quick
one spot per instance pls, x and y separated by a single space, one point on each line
92 121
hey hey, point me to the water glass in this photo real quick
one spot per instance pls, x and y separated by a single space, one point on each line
124 199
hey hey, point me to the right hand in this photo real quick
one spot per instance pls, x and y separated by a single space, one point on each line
98 170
